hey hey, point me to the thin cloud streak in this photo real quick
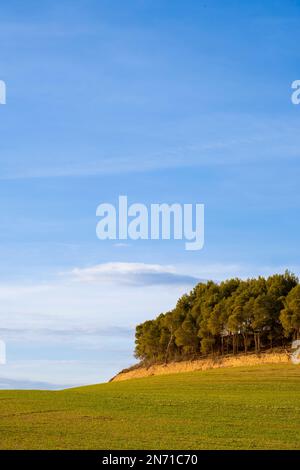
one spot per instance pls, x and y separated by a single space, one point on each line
133 274
258 142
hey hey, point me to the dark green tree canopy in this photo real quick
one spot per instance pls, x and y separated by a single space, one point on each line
221 318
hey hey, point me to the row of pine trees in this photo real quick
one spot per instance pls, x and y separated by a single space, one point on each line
224 318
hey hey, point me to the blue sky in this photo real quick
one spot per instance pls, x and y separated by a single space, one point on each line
164 102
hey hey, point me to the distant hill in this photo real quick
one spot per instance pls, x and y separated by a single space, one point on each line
10 384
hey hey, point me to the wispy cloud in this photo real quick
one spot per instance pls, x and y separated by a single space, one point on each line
253 140
109 331
132 273
89 306
17 290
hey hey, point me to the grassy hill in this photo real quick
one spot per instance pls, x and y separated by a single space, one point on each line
254 407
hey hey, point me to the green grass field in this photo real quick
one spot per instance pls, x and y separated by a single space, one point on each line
241 408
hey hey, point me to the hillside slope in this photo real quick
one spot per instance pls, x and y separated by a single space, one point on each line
254 407
202 364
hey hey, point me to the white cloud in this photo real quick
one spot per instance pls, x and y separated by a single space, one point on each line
132 273
87 307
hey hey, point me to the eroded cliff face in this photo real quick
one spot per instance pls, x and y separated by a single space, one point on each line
203 364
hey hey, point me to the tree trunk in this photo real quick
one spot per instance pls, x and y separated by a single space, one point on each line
245 342
168 347
233 344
